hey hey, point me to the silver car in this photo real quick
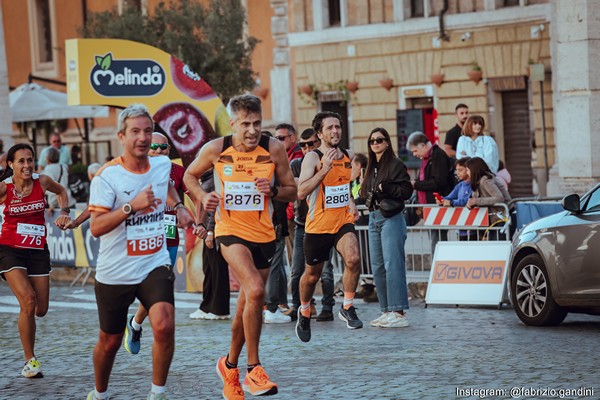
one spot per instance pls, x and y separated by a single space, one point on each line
555 263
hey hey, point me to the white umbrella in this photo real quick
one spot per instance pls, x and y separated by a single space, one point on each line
34 102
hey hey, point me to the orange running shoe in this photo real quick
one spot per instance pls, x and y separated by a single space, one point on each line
257 383
232 390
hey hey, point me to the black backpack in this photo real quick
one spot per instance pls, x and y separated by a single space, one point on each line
77 188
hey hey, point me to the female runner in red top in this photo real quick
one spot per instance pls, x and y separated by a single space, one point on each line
24 255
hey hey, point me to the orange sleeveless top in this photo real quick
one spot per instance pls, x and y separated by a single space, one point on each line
243 211
328 203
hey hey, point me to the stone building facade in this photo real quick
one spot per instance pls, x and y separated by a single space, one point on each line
372 42
317 46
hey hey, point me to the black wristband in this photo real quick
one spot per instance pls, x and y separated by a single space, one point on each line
66 209
274 190
177 204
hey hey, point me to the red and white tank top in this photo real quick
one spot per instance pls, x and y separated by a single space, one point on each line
23 222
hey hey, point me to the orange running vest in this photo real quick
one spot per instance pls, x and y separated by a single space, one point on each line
243 211
328 203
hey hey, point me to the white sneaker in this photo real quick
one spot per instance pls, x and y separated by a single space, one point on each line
156 396
276 317
395 320
32 369
199 314
377 321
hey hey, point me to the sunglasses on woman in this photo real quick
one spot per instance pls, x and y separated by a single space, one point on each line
379 140
309 144
156 146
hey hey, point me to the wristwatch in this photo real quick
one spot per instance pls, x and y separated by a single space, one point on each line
274 190
127 209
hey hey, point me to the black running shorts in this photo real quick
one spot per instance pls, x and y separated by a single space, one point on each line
317 246
262 253
36 262
114 300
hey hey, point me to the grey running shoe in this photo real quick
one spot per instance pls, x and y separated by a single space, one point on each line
349 316
303 327
132 337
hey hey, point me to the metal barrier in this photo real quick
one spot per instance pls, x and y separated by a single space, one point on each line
422 238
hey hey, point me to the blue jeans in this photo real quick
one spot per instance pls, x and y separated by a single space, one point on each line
276 287
388 262
298 266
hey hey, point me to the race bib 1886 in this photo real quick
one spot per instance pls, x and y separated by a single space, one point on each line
145 239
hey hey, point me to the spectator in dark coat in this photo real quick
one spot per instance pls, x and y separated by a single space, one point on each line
435 174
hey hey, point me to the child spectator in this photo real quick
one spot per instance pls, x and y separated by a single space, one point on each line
503 175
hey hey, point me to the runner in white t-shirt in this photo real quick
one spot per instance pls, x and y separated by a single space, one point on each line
127 202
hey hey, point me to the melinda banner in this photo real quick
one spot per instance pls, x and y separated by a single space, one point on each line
118 73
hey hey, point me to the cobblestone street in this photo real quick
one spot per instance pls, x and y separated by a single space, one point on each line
444 348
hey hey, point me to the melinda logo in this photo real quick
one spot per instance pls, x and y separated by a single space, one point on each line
125 78
468 272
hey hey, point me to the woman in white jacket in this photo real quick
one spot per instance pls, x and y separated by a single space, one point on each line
473 143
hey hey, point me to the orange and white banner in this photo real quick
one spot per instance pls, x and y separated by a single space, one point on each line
471 272
455 216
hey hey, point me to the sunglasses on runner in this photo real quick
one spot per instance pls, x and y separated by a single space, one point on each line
156 146
282 138
379 140
309 144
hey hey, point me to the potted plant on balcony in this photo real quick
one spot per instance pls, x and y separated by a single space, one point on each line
475 74
262 92
387 83
438 79
352 86
306 89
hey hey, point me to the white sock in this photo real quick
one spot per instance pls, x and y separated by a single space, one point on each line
158 389
135 325
100 395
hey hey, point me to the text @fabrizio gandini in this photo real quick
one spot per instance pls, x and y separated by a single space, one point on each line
523 392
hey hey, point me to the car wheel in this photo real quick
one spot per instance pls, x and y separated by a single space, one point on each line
532 294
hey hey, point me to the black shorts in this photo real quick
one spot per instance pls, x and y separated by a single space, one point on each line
262 253
317 246
114 300
35 262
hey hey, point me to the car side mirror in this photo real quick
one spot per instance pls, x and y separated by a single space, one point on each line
571 203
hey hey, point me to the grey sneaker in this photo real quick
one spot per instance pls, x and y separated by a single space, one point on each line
156 396
395 320
303 327
379 320
349 316
132 337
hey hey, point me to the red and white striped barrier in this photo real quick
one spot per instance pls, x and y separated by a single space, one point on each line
455 216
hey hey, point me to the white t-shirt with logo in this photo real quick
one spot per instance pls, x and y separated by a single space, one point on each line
137 246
